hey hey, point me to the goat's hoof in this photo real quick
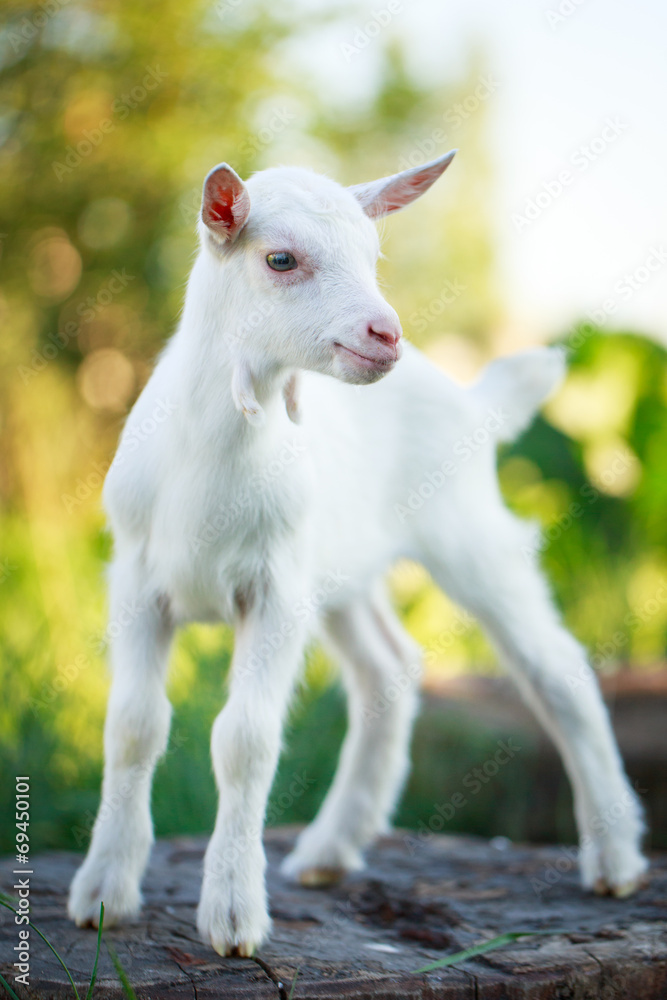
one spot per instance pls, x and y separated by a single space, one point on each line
229 949
614 865
232 916
244 950
223 940
314 877
602 887
91 886
314 862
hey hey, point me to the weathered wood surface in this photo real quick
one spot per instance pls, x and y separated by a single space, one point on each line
417 901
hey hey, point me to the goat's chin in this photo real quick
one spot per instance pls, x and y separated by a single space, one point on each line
364 377
357 369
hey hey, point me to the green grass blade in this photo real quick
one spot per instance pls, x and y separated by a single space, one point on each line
296 976
46 942
97 954
482 948
8 988
120 972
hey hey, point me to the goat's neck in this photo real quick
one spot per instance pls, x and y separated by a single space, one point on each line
211 358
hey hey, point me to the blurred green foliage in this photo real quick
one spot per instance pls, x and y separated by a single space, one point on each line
110 116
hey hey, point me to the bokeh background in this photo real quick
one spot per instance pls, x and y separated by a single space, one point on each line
548 226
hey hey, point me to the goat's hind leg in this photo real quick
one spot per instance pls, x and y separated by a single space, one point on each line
135 736
488 567
381 669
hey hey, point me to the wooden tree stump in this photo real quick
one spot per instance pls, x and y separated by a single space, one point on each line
419 900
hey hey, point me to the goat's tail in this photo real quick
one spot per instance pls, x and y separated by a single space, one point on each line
515 386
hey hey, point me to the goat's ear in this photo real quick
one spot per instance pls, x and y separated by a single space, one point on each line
389 194
225 203
243 394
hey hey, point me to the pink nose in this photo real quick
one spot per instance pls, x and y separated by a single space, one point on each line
387 330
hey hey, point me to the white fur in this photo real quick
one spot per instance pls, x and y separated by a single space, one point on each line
227 508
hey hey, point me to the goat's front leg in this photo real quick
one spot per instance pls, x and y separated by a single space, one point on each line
245 744
135 736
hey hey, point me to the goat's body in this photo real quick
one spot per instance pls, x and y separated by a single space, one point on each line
343 478
356 478
283 527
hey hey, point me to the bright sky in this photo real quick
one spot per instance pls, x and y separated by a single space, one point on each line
581 92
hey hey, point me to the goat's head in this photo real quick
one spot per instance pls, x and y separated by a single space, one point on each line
296 254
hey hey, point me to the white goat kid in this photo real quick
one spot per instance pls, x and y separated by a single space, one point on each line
233 510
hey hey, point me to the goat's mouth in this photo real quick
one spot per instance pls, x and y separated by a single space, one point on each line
380 363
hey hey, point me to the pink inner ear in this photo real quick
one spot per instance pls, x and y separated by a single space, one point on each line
389 194
405 192
226 203
221 211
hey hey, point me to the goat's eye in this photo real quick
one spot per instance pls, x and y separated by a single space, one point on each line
281 261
